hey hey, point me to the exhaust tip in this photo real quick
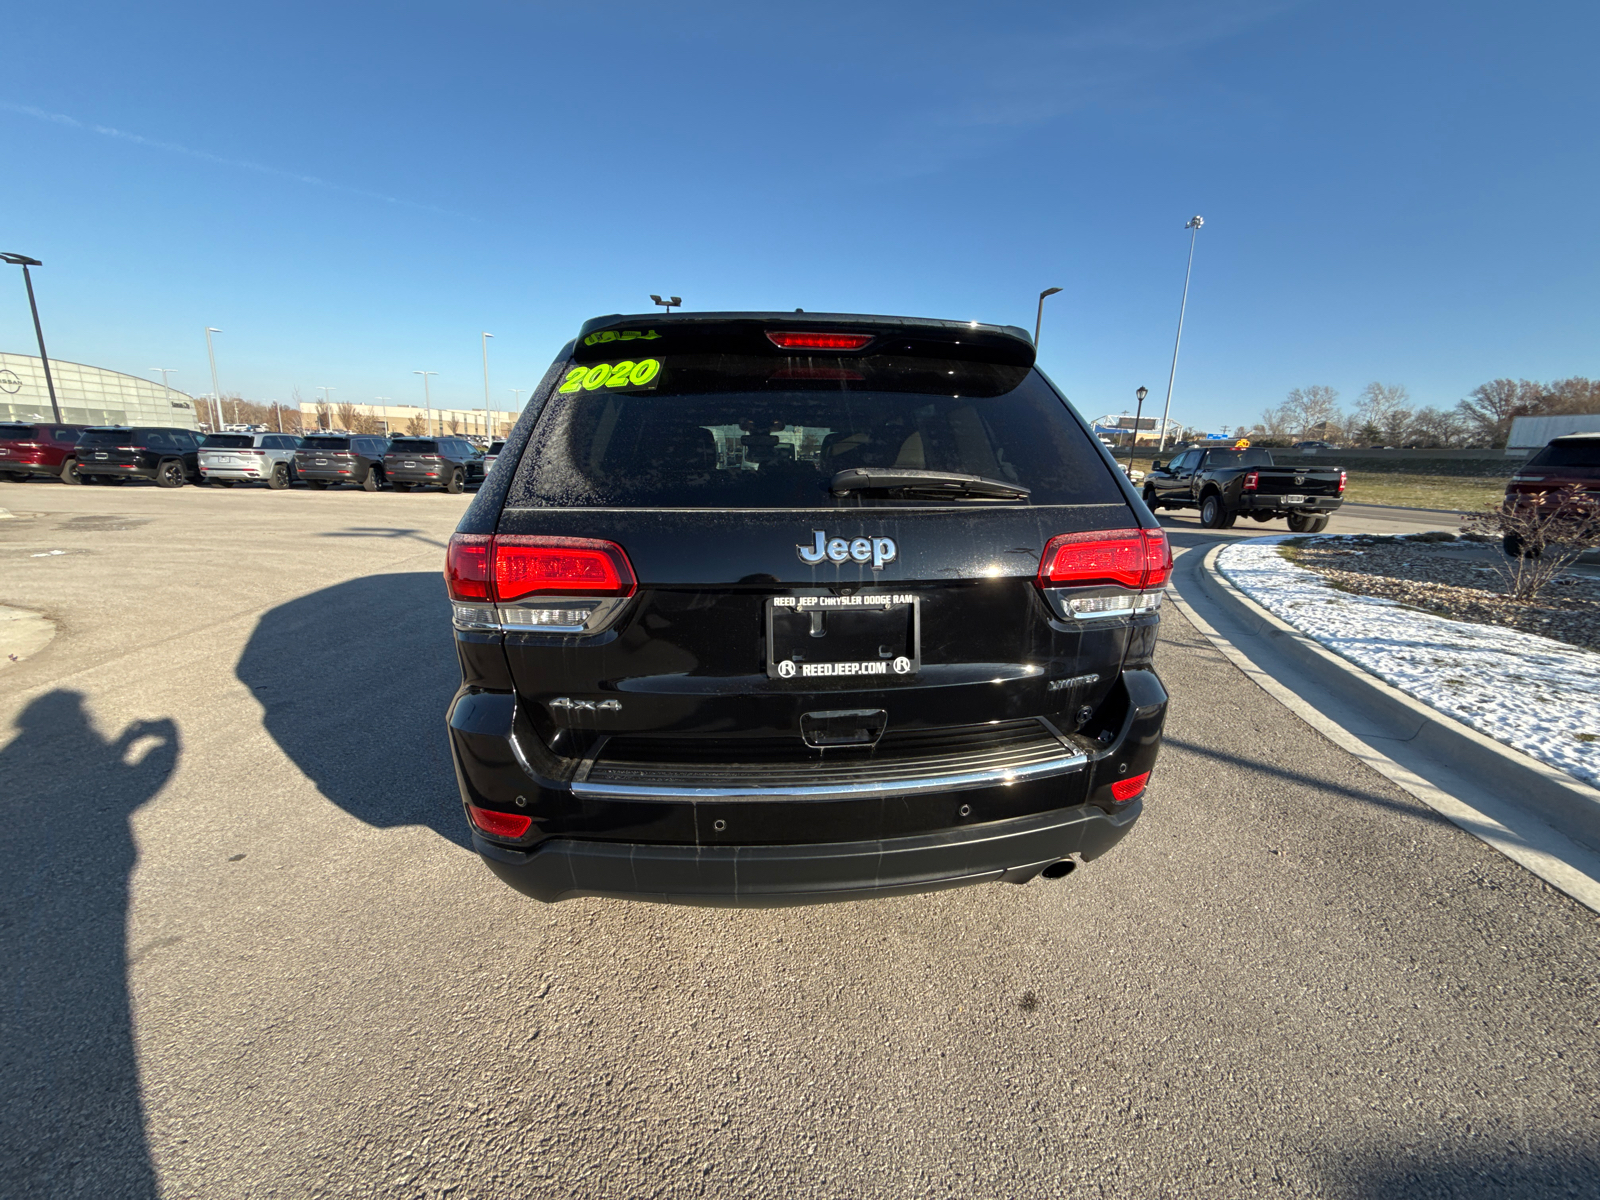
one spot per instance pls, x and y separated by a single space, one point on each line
1059 870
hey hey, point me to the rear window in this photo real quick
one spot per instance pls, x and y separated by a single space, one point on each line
107 437
755 431
413 446
325 443
495 447
1238 458
18 433
227 441
1580 452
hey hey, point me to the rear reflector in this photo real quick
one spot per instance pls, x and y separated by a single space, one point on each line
1343 475
507 825
1252 481
1122 790
1130 558
508 567
819 341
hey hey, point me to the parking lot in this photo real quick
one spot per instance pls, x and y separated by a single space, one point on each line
250 953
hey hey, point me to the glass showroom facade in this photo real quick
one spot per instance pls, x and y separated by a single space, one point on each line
88 395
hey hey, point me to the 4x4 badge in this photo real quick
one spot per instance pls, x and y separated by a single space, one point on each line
877 551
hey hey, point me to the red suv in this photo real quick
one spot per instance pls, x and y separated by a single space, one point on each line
27 449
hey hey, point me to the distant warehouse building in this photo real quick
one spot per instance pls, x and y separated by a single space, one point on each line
1534 433
88 395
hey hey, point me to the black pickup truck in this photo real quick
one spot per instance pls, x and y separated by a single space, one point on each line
1227 484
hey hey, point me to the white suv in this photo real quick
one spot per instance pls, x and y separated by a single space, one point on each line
230 458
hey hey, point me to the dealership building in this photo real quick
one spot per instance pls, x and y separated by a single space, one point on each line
88 395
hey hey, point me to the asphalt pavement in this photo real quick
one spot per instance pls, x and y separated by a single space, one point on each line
249 955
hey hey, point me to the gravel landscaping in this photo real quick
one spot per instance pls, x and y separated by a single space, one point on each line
1451 577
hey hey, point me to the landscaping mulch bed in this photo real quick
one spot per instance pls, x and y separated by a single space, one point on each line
1452 577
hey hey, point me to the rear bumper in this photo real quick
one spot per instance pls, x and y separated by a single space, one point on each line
1250 502
333 474
246 473
740 848
758 876
125 469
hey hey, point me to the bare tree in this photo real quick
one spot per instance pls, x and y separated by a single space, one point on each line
453 425
347 415
1274 422
1575 395
1492 407
416 426
1386 407
1311 409
1435 427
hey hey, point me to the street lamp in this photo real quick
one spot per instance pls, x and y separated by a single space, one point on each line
488 405
427 401
165 371
1195 222
23 261
216 392
1138 412
1039 320
669 303
384 400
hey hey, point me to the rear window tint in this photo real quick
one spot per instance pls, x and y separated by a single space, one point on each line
742 431
229 441
413 446
325 443
108 437
1580 452
66 434
1238 458
20 433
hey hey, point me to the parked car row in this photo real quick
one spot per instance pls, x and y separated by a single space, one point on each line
173 457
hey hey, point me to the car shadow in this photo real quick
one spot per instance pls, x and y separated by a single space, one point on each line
353 681
1538 1167
71 1116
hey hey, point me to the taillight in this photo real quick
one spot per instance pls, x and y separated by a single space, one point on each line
500 824
1122 790
466 566
523 566
1130 558
1342 476
1252 480
502 568
819 341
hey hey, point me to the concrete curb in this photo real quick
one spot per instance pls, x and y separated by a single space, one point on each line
1570 807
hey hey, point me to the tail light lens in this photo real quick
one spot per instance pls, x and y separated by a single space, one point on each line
501 824
501 568
1130 558
1343 475
1115 572
1252 480
1122 790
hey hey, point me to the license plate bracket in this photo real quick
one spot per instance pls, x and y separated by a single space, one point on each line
863 637
1294 499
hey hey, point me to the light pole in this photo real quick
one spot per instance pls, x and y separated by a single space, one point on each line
1039 320
427 402
216 392
1194 228
23 261
1138 412
516 405
669 303
165 371
327 402
384 400
488 405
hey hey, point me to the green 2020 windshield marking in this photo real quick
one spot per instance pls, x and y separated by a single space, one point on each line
611 376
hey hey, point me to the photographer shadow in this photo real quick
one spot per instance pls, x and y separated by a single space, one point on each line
71 1117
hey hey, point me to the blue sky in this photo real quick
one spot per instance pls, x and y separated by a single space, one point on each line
1400 192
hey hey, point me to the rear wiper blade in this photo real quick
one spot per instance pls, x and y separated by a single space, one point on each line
952 483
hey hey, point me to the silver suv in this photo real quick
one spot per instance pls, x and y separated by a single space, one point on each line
230 458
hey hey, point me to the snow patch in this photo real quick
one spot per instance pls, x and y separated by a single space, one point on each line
1536 695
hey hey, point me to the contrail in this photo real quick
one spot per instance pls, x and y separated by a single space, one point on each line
242 164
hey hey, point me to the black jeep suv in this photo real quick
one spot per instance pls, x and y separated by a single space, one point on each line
325 459
112 453
775 608
447 462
